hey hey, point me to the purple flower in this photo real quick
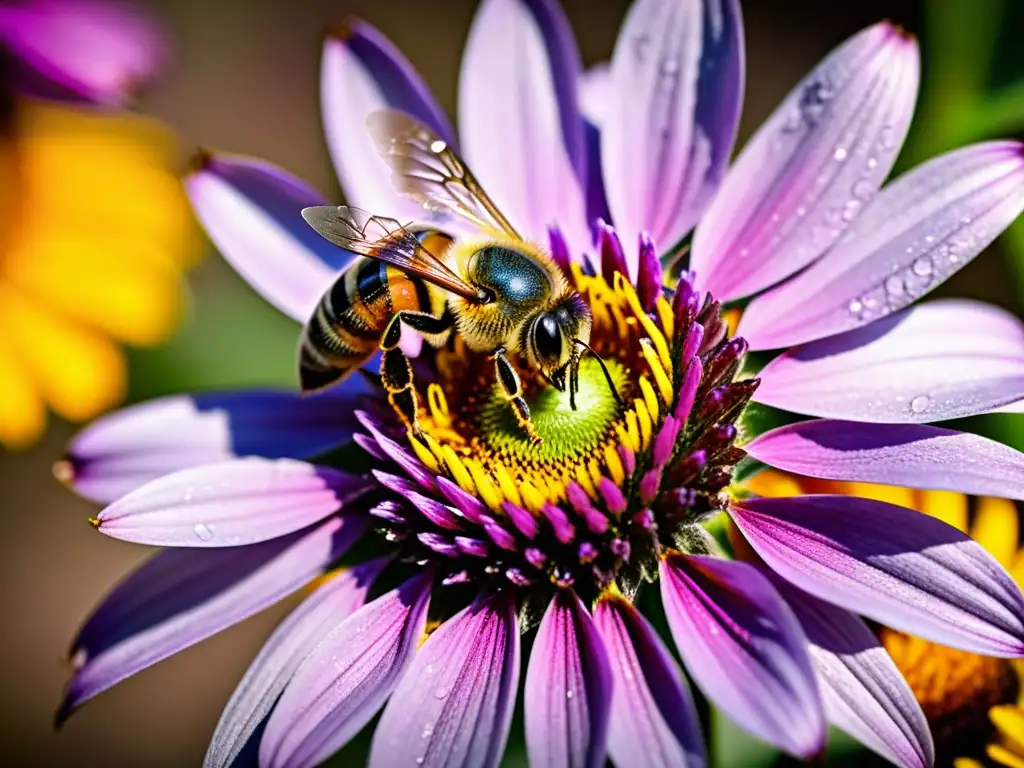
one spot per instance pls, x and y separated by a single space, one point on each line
494 536
97 51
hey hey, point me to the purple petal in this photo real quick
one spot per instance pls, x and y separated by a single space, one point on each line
941 360
652 712
568 694
362 72
744 648
281 655
809 170
892 564
126 449
670 124
230 504
454 705
82 49
921 229
347 677
521 63
909 455
863 691
182 596
252 212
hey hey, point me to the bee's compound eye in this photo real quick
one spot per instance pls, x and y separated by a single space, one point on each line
548 339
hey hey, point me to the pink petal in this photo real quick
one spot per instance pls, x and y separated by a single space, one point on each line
909 455
513 66
348 676
652 712
182 596
119 452
98 51
454 705
281 655
361 72
669 127
892 564
742 645
921 229
942 360
863 691
809 170
568 689
252 212
230 503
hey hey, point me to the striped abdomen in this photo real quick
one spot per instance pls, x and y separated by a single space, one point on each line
351 318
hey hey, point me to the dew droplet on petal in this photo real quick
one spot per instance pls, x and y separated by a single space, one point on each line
440 693
894 285
922 266
568 694
863 189
437 146
202 531
920 403
840 154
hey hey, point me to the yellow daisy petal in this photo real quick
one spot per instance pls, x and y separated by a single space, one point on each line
947 506
99 282
80 373
966 762
1017 569
893 494
995 528
771 483
22 413
1003 756
1009 720
68 155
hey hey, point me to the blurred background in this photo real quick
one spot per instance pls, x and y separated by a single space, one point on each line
244 77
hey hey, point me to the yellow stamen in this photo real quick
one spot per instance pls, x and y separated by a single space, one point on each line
507 485
614 463
996 529
626 290
634 431
646 426
595 472
532 498
948 506
668 320
488 493
423 454
650 398
1003 756
438 406
660 377
583 480
458 470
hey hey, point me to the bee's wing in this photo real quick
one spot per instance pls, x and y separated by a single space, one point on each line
428 170
378 237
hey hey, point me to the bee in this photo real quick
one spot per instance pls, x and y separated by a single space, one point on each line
504 296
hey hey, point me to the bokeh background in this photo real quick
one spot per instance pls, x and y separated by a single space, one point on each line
243 76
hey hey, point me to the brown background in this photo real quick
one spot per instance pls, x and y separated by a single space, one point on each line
244 78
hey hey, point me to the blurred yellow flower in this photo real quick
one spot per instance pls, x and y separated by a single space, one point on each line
974 704
95 233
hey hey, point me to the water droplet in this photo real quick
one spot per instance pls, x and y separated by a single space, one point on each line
863 189
440 693
430 669
922 266
840 154
801 211
872 163
203 532
887 137
813 101
920 403
437 146
669 67
420 760
855 307
850 210
894 286
568 694
428 731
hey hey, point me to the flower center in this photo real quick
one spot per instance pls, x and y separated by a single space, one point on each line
613 483
956 690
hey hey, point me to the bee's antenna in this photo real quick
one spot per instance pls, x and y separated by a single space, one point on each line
604 369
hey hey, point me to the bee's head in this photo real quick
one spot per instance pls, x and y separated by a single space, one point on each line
553 335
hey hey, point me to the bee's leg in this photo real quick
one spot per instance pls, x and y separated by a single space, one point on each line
574 376
395 368
512 388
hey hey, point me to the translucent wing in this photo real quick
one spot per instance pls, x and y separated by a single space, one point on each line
428 170
378 237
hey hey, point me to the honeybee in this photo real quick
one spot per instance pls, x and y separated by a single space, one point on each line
503 295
